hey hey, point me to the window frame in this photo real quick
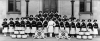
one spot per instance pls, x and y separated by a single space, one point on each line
86 12
14 9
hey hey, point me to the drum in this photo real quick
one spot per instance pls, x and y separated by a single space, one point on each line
28 30
13 36
83 29
90 37
81 33
19 28
24 36
16 28
84 36
33 30
19 36
87 33
5 30
16 32
22 28
22 32
79 37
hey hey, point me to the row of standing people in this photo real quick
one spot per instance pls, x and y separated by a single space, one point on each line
51 26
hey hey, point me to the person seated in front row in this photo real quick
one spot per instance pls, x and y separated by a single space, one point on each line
11 26
63 34
39 34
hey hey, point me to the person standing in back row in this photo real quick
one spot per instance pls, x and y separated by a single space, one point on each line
11 26
72 28
95 28
5 27
51 25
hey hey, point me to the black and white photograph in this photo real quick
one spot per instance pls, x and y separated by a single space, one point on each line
49 20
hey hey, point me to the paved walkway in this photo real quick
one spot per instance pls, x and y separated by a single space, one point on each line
2 38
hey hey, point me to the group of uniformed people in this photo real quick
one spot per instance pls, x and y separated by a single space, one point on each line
51 24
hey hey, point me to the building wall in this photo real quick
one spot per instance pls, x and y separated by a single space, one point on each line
64 8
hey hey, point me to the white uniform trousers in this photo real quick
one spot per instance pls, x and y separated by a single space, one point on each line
33 30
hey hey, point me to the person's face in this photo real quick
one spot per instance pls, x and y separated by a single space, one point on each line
78 21
40 13
25 20
11 20
5 20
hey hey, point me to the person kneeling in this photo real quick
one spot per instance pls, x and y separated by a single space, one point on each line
63 34
39 34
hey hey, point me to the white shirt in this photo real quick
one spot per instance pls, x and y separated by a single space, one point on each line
51 23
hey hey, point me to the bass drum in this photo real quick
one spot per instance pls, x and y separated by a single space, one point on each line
90 37
19 36
16 32
24 36
84 37
81 33
79 37
13 36
87 33
22 32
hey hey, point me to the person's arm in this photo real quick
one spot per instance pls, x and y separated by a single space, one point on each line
54 24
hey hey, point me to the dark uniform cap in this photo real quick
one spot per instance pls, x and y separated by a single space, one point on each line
83 20
5 19
11 19
17 18
78 20
89 20
95 20
31 15
22 18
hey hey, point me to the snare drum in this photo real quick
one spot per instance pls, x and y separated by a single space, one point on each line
87 33
19 36
16 32
84 37
13 36
81 33
79 37
90 37
22 32
24 36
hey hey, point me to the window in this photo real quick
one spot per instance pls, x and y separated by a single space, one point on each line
50 6
14 6
86 6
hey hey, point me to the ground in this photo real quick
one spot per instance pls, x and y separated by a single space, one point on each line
3 38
